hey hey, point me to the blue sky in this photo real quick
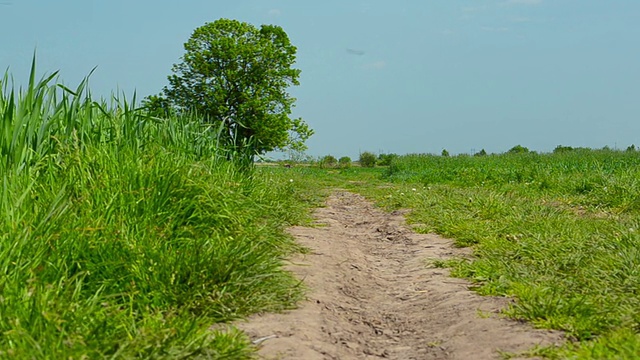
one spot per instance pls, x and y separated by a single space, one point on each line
428 75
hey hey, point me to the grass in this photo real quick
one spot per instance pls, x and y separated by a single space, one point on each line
126 236
557 232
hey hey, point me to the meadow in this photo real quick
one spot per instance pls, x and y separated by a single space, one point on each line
124 236
558 233
127 236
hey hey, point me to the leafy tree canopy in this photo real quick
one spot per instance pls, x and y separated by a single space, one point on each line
481 153
367 159
236 75
386 159
518 149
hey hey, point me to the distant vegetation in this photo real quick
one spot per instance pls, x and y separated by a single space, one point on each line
481 153
386 159
345 162
328 161
518 149
367 159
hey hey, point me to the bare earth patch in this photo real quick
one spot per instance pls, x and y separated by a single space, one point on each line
372 295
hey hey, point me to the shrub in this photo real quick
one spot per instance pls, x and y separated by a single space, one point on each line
385 159
345 162
367 159
561 149
518 149
480 153
328 161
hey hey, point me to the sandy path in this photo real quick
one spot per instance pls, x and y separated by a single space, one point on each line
372 296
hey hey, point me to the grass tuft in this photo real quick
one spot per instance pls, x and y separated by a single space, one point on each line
128 236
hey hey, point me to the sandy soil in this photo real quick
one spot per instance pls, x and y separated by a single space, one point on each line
373 295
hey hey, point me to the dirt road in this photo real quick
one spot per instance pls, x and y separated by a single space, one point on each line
373 295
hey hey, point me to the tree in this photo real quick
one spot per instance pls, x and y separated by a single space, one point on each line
236 76
444 153
481 153
562 149
518 149
386 159
344 162
328 161
157 106
367 159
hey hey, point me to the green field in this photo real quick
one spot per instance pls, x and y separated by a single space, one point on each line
559 233
128 236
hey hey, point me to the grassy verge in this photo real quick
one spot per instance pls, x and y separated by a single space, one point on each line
557 232
124 236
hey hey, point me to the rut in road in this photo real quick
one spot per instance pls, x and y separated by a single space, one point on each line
372 295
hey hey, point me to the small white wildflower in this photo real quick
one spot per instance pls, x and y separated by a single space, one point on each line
414 189
290 180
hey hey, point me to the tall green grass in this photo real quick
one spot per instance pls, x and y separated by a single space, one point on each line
128 236
596 178
557 232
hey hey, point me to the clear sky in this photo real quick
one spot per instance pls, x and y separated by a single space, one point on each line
402 76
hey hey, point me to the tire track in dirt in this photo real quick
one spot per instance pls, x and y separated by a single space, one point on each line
373 296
